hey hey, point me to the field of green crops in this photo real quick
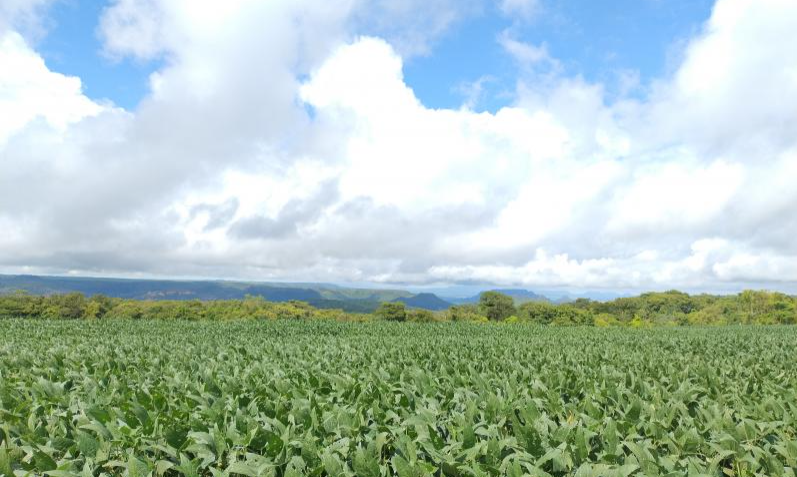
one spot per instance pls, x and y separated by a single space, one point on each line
318 398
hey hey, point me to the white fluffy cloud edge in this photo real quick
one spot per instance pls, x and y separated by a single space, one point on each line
277 143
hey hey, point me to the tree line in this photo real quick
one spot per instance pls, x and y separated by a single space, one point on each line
672 308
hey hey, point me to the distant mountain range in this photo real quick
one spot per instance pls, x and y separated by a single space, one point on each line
427 301
317 294
320 295
519 295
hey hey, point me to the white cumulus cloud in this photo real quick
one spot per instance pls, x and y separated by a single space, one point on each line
280 140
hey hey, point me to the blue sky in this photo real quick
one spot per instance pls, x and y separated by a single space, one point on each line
595 39
72 46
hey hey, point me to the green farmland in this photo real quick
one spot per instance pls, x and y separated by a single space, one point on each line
315 398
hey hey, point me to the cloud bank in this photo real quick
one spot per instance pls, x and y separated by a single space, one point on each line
279 141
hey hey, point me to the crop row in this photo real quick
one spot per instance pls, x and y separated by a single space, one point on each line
292 398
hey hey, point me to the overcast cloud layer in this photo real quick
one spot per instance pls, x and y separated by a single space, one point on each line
280 142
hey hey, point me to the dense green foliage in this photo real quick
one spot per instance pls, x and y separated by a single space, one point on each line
392 311
748 307
292 398
649 309
496 306
75 305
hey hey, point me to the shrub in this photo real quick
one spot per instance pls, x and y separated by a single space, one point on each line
496 306
420 316
392 311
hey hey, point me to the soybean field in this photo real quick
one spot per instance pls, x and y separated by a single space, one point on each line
323 398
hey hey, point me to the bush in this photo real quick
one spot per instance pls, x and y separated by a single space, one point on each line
604 320
70 306
420 316
496 306
464 313
392 311
538 312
